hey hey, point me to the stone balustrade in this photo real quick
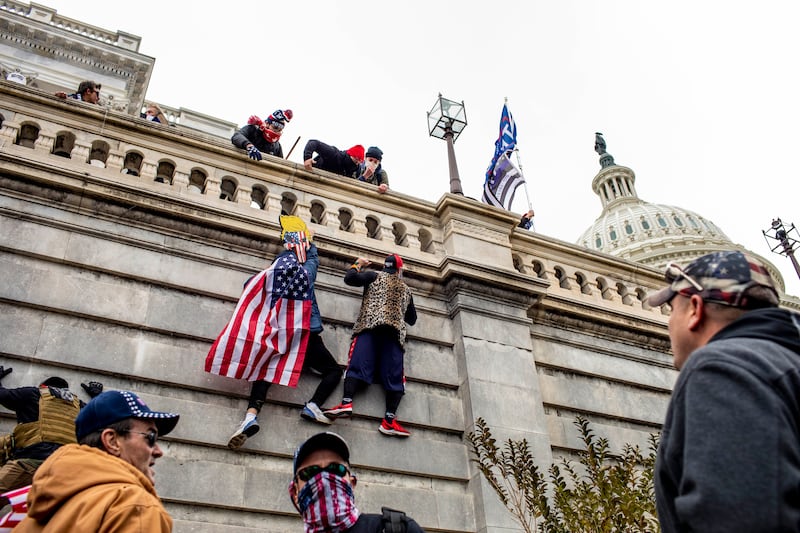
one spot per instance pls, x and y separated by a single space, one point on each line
333 204
49 16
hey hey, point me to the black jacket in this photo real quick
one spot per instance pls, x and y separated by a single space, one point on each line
251 134
373 523
330 158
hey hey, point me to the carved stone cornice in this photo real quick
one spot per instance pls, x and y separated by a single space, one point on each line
85 54
594 326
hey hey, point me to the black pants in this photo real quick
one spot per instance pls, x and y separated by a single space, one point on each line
392 397
319 360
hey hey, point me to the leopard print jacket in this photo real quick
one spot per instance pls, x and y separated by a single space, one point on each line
385 302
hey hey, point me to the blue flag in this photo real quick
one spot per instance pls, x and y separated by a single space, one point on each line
506 140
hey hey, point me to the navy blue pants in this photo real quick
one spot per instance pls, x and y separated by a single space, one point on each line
377 353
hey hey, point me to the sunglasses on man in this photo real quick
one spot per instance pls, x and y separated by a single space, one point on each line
674 272
151 436
337 469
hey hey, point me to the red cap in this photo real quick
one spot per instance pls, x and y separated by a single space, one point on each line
356 151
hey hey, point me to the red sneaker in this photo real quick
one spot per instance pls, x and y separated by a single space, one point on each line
393 429
341 410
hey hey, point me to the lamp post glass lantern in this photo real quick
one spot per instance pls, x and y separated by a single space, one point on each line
446 120
787 239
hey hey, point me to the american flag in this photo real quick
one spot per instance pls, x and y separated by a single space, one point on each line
19 509
298 243
267 336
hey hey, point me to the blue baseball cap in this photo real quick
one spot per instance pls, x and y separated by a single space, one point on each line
116 405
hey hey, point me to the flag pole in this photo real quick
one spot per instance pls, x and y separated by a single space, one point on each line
524 183
519 165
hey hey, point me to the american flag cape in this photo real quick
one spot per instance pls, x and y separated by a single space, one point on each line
19 509
267 336
500 188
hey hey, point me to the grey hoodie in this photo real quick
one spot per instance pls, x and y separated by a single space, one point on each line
729 457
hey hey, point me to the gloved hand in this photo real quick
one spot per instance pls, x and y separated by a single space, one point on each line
4 371
93 388
254 153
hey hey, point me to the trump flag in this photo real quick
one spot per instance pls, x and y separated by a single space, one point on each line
502 177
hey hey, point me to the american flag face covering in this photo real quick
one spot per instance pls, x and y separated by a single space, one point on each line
297 241
327 504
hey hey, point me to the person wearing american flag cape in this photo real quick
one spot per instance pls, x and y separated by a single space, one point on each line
275 332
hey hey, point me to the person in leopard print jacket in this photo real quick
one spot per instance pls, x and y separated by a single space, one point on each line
379 336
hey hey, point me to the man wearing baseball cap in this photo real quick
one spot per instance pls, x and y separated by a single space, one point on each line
729 455
106 481
322 491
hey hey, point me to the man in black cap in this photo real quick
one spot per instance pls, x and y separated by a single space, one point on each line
263 136
371 170
322 492
729 455
106 482
45 421
379 336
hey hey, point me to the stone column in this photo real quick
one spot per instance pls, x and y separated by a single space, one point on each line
148 171
273 204
9 132
243 195
212 188
180 180
45 142
488 307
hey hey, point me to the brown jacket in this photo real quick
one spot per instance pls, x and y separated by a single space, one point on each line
82 489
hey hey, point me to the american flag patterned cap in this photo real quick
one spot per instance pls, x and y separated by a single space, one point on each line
723 277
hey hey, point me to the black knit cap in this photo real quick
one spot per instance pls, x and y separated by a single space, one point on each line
374 151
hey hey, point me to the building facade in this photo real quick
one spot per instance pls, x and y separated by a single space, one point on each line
128 278
124 245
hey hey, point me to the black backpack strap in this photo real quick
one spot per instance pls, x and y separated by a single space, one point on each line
394 521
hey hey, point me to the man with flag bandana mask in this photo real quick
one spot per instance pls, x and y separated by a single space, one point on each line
322 491
263 136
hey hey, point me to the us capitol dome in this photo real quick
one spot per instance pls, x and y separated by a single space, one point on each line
647 233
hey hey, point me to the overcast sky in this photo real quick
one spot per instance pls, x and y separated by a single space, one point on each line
699 98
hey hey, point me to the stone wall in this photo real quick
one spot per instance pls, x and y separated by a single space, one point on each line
113 276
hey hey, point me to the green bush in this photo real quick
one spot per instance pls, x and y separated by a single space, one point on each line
607 495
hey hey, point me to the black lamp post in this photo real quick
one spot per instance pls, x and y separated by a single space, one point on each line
446 121
786 242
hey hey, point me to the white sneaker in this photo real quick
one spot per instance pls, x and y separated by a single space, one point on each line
247 429
312 412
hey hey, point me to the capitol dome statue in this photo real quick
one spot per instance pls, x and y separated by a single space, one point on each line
652 234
